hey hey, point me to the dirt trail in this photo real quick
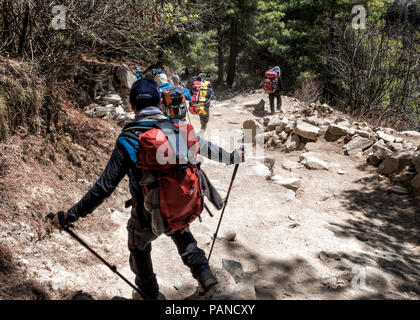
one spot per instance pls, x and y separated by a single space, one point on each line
294 248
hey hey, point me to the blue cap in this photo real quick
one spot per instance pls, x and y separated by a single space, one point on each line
145 93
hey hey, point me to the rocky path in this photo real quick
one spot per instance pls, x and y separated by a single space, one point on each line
340 233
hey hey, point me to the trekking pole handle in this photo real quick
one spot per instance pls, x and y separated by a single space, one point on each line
63 224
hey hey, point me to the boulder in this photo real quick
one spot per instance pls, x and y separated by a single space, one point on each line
125 77
380 151
323 130
305 155
289 165
414 134
227 233
283 123
324 108
415 183
373 161
268 135
261 170
385 137
283 136
276 141
114 99
120 114
396 161
389 131
97 111
313 121
404 178
364 134
395 146
337 130
259 107
292 143
290 126
234 268
359 142
343 120
289 183
315 163
307 131
274 123
269 162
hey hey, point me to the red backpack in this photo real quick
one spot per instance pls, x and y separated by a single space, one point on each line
172 195
201 93
269 84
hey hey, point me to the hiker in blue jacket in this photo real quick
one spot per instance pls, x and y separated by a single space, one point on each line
145 99
163 83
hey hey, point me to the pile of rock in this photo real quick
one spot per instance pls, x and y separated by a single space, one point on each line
111 108
111 105
384 148
290 133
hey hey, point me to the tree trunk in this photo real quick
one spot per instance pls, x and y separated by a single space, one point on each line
24 30
220 54
233 51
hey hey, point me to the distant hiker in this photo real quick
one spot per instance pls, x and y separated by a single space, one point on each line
151 73
202 94
137 73
166 196
176 80
162 80
273 85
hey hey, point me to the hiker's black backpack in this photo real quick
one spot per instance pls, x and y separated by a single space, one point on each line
174 100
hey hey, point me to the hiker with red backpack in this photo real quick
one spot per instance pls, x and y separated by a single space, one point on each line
166 185
201 95
273 85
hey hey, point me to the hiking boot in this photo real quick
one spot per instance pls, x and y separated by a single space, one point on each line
206 279
136 296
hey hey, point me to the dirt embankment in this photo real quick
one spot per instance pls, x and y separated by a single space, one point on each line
41 175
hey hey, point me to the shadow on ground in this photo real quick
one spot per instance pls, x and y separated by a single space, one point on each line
13 282
388 225
296 278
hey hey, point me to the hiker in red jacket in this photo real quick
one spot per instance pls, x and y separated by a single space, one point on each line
273 85
145 99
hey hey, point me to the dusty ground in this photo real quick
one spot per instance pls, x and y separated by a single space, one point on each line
308 247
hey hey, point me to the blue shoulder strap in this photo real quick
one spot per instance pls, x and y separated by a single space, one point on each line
129 140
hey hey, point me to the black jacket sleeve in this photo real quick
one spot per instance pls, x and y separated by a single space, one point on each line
116 169
215 153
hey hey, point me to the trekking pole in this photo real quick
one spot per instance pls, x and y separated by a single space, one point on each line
224 207
112 268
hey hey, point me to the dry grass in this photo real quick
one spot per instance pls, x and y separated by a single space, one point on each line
21 97
310 91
